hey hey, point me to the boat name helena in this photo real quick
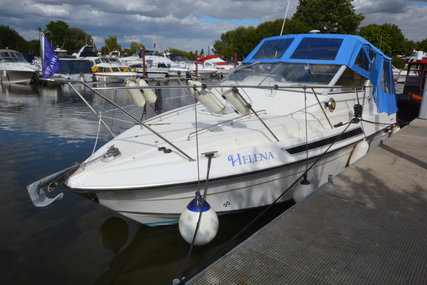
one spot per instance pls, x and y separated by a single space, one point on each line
240 159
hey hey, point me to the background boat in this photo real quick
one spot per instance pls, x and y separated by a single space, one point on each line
15 69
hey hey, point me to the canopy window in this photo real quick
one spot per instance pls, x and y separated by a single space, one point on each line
317 48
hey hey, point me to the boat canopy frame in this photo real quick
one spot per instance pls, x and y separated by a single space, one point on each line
352 51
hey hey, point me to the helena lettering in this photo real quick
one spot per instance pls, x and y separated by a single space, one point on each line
241 159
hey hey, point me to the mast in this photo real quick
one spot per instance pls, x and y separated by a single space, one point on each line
284 19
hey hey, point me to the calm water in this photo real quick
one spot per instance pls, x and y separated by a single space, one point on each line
75 241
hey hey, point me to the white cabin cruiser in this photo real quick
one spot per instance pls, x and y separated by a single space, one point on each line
156 65
15 69
193 66
222 67
110 68
298 104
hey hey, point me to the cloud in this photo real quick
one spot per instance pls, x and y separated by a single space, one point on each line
381 6
409 16
182 23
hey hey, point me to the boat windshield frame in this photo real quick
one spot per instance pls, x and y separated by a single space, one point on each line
11 56
285 73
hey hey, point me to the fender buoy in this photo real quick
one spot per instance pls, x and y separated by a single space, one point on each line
360 149
394 130
207 98
235 100
148 94
136 95
209 223
302 190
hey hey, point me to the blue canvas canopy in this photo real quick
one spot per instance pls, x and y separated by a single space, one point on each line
352 51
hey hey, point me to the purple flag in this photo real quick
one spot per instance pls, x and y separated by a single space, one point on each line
51 63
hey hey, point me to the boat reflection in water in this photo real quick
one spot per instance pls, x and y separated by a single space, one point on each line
154 255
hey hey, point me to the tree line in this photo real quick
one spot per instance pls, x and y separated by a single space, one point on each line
327 16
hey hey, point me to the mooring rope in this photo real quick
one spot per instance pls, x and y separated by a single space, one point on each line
97 134
205 191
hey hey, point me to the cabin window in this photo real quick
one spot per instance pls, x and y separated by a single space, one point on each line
372 55
274 73
317 48
363 61
351 79
309 73
115 69
273 49
385 78
74 66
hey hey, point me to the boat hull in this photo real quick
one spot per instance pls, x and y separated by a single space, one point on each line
163 205
15 76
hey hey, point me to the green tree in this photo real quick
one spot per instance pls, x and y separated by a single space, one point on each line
224 46
177 51
336 16
388 38
422 45
295 26
34 47
9 38
56 33
376 36
397 39
76 39
61 35
135 47
191 55
111 45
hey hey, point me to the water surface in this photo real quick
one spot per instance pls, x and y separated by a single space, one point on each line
76 241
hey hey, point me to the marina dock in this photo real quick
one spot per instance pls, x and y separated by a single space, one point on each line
369 226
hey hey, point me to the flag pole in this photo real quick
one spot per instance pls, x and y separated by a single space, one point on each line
42 49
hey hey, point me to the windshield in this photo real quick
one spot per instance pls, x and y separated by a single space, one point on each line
11 56
74 66
274 73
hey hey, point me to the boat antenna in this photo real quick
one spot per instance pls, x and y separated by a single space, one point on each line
284 19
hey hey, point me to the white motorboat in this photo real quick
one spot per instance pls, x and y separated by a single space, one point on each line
75 69
15 69
223 67
104 68
110 68
72 69
156 65
299 105
200 68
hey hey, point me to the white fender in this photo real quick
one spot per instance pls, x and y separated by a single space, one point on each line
209 223
192 83
207 98
395 129
148 94
136 95
236 101
360 149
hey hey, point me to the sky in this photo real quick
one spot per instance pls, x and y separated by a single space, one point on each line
186 24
